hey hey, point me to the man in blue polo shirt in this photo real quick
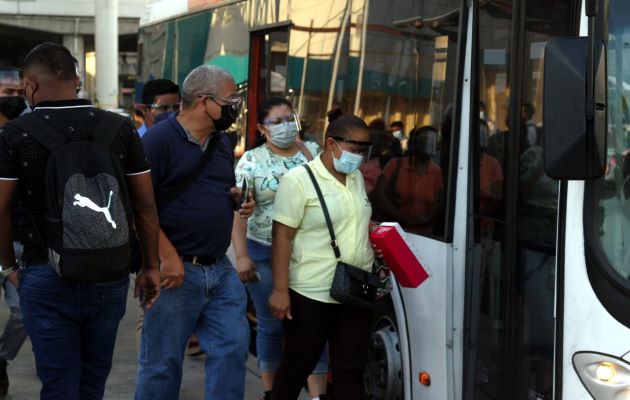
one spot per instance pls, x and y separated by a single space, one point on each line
202 292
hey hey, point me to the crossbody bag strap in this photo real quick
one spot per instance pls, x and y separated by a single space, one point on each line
167 197
302 146
331 231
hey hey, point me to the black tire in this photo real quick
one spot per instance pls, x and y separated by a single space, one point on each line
384 376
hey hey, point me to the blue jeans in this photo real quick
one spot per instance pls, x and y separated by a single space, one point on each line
269 331
212 303
73 330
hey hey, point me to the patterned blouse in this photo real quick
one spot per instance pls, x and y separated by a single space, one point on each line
263 170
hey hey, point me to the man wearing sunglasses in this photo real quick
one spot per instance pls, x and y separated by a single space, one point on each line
202 292
159 97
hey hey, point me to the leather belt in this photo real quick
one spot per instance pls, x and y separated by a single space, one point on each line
202 260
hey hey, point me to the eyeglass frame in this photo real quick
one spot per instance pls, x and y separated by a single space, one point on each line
236 102
296 119
365 145
169 107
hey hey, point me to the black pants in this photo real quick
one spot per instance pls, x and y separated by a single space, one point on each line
347 331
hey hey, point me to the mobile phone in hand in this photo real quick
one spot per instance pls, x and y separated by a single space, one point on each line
244 190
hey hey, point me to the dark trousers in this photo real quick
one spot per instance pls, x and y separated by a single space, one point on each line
73 330
347 331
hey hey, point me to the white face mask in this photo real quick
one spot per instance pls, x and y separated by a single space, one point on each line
348 162
283 135
398 134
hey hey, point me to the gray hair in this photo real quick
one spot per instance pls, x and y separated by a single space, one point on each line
203 80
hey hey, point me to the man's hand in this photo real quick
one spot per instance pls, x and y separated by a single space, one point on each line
247 207
280 304
171 272
147 287
246 269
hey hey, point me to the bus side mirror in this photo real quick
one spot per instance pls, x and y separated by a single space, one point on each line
574 147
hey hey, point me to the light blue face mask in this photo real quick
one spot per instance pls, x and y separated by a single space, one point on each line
284 134
348 162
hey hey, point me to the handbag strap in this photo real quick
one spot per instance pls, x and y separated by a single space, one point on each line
167 197
331 231
307 153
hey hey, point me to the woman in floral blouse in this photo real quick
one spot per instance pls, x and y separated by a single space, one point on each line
263 167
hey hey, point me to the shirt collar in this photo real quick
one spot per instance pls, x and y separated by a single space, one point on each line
184 134
64 103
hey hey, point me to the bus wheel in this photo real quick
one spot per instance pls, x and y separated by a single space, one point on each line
383 377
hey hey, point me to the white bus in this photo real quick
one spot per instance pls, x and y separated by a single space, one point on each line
529 296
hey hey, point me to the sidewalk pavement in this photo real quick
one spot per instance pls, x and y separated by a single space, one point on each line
24 384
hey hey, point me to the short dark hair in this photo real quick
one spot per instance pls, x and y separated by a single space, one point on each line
157 87
377 124
54 58
529 109
397 124
268 104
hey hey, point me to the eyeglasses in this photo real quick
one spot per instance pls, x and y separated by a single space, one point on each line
234 102
293 117
356 146
165 107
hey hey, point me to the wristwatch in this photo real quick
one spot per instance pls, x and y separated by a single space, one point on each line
8 270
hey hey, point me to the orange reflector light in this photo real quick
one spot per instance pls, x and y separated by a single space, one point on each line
425 378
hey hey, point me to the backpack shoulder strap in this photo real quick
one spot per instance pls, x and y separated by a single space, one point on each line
40 130
109 127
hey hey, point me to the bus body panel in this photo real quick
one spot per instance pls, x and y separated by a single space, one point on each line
587 326
427 315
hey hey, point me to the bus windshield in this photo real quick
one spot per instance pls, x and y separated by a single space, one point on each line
612 192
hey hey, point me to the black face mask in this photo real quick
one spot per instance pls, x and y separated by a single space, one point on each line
227 117
12 106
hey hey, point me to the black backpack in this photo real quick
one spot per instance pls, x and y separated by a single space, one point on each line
88 225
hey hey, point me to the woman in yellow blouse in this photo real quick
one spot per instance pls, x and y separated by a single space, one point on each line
303 264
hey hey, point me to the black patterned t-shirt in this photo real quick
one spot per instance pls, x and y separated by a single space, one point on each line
24 159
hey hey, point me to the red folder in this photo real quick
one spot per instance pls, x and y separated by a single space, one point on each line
399 256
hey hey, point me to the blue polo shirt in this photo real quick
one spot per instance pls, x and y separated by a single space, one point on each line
199 221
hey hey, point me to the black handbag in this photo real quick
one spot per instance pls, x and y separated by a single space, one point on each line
351 286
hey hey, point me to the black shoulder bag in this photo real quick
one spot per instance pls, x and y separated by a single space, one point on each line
351 286
180 187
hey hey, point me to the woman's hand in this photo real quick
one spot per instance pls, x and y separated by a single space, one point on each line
280 304
378 253
246 208
246 269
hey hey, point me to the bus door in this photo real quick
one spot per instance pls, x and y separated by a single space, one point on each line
268 61
512 252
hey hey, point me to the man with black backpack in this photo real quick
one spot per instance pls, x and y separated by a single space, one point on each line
85 185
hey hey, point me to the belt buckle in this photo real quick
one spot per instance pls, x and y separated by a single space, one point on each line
194 261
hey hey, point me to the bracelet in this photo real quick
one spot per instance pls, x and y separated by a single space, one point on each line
6 272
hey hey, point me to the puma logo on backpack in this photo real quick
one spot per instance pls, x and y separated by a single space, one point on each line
85 202
88 225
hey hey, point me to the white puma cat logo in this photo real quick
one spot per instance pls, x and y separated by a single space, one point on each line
85 202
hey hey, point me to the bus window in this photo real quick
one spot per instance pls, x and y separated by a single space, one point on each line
611 194
407 97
